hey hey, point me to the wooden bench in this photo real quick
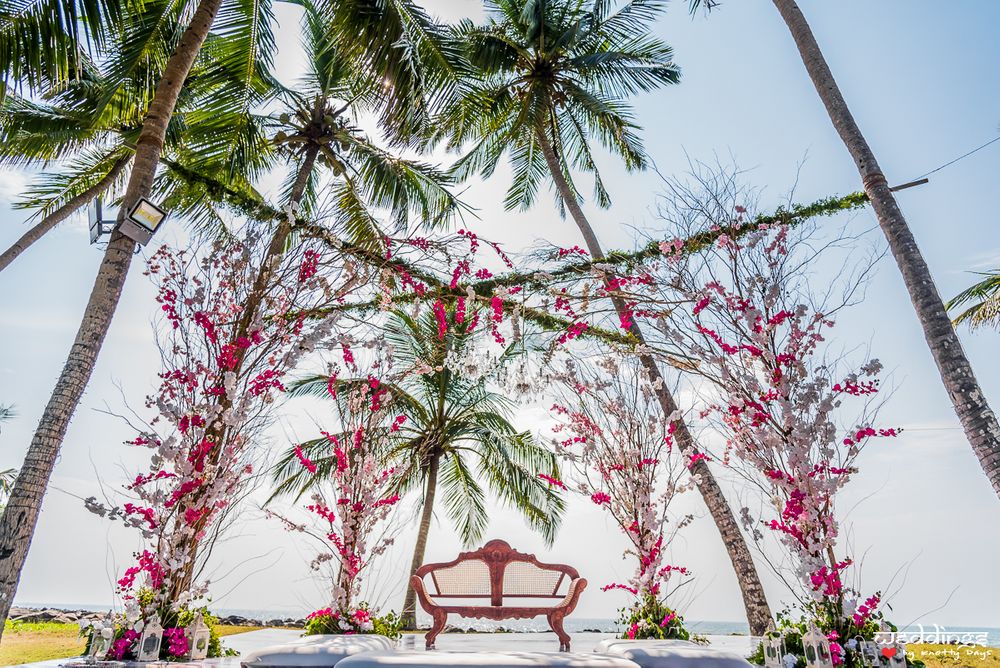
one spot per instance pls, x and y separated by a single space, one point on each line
495 572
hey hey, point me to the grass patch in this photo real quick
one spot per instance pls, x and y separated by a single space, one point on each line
954 656
224 630
41 641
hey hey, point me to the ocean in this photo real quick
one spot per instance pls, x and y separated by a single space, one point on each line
579 624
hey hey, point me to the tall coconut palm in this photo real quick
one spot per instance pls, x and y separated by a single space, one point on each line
978 420
548 78
318 137
75 128
457 434
20 517
180 29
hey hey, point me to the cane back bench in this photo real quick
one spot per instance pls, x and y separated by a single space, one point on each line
495 572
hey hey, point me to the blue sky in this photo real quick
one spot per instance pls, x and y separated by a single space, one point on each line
922 81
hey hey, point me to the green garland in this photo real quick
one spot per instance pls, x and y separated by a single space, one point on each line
255 208
797 214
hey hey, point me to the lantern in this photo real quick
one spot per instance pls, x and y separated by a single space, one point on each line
100 641
817 649
869 653
142 221
197 638
774 650
150 640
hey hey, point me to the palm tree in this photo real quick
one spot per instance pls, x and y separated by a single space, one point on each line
318 137
457 433
967 397
88 126
18 521
240 53
547 78
985 309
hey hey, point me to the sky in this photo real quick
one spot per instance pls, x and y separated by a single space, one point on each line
922 82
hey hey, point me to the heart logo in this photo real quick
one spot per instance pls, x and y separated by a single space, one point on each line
888 652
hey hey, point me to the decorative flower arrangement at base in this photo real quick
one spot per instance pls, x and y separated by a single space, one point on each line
359 621
847 639
122 637
650 619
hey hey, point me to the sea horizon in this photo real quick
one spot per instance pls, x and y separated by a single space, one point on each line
538 625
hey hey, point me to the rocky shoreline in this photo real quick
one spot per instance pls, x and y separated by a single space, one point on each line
61 616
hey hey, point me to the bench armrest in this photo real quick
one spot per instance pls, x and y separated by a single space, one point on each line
576 588
426 603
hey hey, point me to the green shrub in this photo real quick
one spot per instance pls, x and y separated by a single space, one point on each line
650 618
361 621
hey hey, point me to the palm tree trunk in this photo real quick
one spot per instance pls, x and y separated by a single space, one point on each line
409 616
61 214
967 398
17 525
754 601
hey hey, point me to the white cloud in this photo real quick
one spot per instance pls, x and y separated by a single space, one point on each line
12 184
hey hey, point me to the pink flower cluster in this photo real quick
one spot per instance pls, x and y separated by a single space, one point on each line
177 644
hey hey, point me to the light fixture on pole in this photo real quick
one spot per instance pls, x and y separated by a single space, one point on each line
142 221
99 225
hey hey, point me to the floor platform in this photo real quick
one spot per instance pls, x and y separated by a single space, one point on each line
245 643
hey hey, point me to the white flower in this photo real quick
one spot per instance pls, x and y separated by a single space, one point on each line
790 660
851 644
107 633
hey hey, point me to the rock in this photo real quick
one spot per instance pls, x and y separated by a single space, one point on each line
276 622
236 620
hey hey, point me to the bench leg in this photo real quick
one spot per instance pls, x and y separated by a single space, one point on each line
556 624
440 620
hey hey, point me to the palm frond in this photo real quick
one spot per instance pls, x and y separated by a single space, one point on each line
984 297
51 190
464 499
41 41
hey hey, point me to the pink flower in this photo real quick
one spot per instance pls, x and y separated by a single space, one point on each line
442 319
695 458
309 266
177 644
552 481
306 462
